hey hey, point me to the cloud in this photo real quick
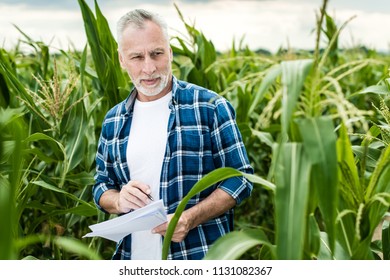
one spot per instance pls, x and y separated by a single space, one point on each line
60 25
268 24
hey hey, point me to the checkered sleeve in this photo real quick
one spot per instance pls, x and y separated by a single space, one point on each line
105 176
229 150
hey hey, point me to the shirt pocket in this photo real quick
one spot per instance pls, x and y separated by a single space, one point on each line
196 152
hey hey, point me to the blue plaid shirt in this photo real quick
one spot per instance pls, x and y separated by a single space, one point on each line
202 136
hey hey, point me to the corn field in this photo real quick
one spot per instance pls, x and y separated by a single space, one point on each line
316 125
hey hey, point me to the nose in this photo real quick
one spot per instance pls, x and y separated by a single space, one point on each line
149 66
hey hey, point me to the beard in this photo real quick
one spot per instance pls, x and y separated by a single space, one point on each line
155 90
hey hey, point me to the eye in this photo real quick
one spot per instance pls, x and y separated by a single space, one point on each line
136 57
156 53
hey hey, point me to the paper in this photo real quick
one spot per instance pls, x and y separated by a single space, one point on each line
145 218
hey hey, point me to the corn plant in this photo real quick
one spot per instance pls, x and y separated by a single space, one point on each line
10 125
312 218
315 126
113 82
56 174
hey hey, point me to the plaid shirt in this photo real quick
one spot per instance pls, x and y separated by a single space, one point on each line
202 136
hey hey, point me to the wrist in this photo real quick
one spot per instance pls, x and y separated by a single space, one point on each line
116 203
189 217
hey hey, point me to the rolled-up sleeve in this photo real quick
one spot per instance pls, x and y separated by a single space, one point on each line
229 150
105 177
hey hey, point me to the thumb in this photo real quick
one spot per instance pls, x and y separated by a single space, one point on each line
161 229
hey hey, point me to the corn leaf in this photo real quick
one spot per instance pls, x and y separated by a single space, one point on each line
319 140
380 181
326 253
313 241
367 154
232 245
292 174
50 187
76 246
104 52
268 80
293 77
9 182
351 191
377 89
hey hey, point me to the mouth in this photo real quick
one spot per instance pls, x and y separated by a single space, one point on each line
150 82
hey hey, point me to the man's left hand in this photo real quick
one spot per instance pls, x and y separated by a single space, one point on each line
181 230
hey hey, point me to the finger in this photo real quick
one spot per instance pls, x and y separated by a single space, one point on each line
161 229
139 190
128 199
141 186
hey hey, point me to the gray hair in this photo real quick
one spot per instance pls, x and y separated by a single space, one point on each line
138 17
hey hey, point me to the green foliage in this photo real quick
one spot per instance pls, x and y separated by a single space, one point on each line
199 53
11 146
104 53
315 125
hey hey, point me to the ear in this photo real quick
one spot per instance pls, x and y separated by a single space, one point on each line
121 59
170 54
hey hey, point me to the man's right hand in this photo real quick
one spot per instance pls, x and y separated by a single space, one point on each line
133 195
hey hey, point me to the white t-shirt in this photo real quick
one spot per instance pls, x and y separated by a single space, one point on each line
145 155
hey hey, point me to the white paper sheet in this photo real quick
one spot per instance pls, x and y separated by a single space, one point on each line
145 218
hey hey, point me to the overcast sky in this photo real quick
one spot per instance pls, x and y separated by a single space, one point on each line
268 24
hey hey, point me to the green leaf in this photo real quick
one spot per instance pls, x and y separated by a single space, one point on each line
58 190
260 181
380 181
351 191
293 77
264 137
319 141
268 80
326 253
9 183
313 238
15 84
232 245
370 155
349 176
81 179
77 247
58 148
377 89
292 174
75 140
104 52
93 37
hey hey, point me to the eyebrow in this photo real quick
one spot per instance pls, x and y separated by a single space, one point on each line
158 50
141 53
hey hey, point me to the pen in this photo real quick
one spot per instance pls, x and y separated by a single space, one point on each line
149 196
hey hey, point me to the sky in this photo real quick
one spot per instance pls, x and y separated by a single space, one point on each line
267 24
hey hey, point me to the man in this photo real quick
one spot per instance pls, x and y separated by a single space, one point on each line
160 141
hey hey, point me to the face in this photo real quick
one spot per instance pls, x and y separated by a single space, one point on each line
146 56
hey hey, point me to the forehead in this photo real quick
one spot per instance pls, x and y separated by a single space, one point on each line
149 36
